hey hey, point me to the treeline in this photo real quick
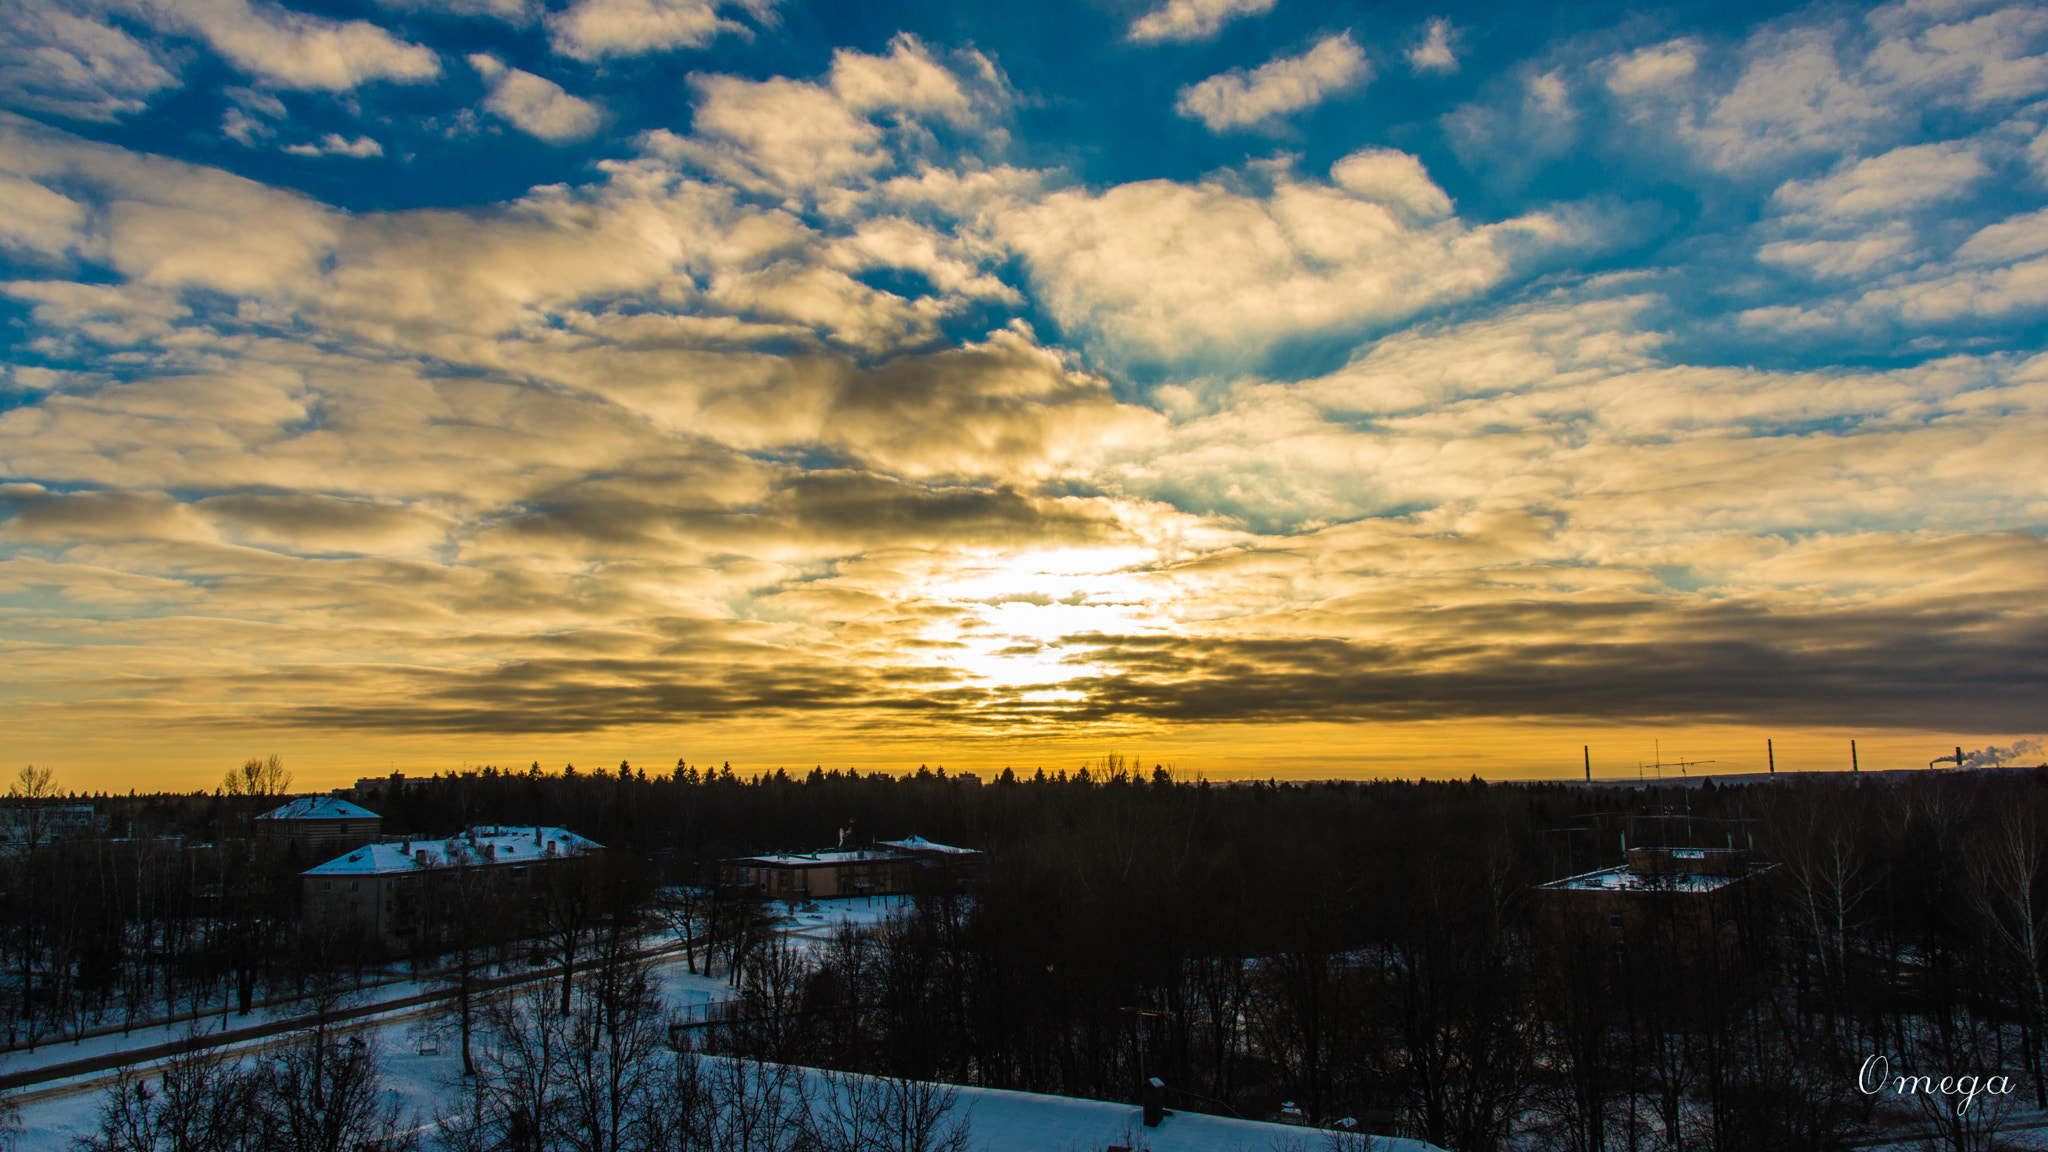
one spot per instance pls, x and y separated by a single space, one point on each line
1369 950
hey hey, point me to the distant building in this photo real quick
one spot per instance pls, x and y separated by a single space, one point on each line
370 789
388 892
321 824
1681 909
43 823
889 867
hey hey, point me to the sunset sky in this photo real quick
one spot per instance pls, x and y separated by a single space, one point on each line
1263 387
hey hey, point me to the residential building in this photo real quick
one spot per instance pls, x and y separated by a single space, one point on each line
371 789
393 892
888 867
45 822
318 824
1682 909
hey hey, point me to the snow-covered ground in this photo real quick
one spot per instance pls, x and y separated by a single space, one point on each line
422 1066
419 1056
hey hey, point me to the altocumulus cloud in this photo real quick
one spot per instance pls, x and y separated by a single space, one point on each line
835 394
1283 85
534 104
1181 21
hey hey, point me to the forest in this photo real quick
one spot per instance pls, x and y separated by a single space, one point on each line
1377 951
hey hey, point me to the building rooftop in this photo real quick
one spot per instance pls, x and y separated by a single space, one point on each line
320 808
882 850
829 856
920 844
1620 879
490 844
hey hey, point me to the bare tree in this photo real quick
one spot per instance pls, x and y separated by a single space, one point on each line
202 1102
2005 872
849 1113
10 1123
614 1036
468 923
514 1101
685 909
568 904
259 776
745 1105
326 1094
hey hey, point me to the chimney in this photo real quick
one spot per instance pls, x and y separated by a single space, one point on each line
1155 1101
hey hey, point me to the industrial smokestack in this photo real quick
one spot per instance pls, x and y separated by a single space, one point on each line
1588 750
1852 757
1771 754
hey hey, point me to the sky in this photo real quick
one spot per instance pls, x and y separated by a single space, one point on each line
1259 387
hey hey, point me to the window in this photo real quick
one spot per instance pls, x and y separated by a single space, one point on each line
354 884
326 886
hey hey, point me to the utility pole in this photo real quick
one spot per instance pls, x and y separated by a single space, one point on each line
1771 754
1588 750
1852 757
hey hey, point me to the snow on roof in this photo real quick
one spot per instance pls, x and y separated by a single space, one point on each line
1623 880
487 844
320 808
1000 1120
920 844
815 859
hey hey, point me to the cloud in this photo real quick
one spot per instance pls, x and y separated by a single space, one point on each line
591 30
244 129
334 144
515 12
160 224
292 50
1283 85
1186 21
1193 273
1903 179
1434 53
1658 68
1390 177
62 62
743 423
872 113
536 105
908 79
37 219
1812 87
1531 120
309 523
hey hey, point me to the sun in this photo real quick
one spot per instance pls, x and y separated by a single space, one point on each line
1015 614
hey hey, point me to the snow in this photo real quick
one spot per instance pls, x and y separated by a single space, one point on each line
1622 880
491 844
920 844
421 1058
813 859
1004 1121
320 808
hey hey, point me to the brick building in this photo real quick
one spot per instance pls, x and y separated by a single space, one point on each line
316 824
1686 910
